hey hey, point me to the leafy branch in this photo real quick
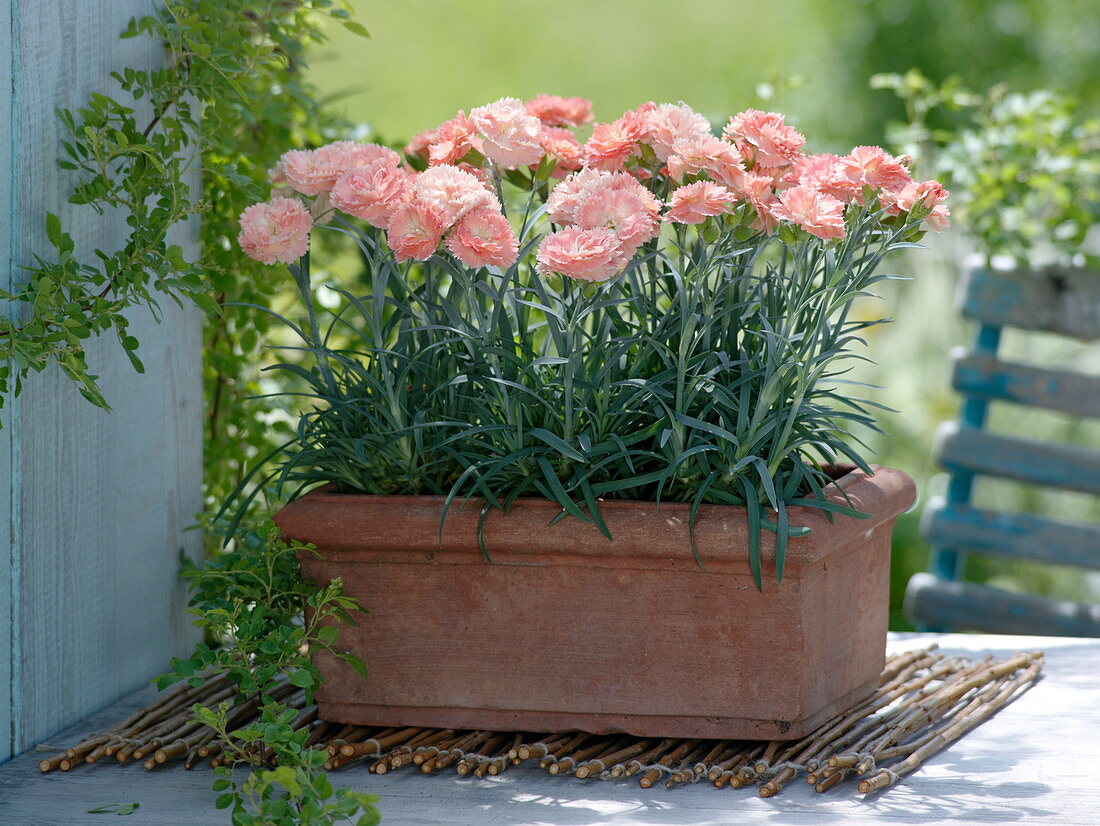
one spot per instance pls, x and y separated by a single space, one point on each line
264 623
140 152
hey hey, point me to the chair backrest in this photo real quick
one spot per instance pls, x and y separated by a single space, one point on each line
1064 301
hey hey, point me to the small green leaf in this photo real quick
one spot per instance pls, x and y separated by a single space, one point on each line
356 28
302 678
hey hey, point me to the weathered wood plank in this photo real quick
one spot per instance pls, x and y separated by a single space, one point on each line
970 607
1019 535
7 562
1062 300
969 450
991 379
99 500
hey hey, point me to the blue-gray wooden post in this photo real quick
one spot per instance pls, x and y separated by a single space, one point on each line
94 504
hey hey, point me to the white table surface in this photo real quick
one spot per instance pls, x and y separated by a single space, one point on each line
1036 761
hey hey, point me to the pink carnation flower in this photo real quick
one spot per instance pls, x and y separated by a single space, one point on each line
706 153
558 111
939 218
817 213
758 191
587 254
353 155
668 123
312 172
453 191
372 194
510 136
623 212
482 238
694 203
825 173
415 230
611 144
276 232
873 167
561 147
561 206
481 173
625 182
452 140
420 142
764 139
929 195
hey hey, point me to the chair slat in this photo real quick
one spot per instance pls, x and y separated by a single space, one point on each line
988 378
1062 300
962 450
1019 535
965 606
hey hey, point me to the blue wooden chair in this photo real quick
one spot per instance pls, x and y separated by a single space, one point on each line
1062 301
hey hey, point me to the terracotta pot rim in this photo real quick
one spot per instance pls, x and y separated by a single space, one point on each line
364 526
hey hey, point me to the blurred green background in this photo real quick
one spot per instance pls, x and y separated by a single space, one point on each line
809 59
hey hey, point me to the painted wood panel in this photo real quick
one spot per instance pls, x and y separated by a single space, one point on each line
97 501
1056 299
1020 535
994 380
7 160
973 607
969 450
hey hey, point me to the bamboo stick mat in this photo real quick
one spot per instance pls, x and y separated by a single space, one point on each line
924 702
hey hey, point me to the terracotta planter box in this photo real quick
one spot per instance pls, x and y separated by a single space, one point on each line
567 630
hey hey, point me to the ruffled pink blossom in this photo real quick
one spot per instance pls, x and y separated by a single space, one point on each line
561 147
694 203
304 171
825 173
817 213
372 194
276 232
419 144
939 218
611 144
481 173
667 123
453 140
764 139
453 191
623 212
706 153
587 254
354 155
415 230
625 182
928 195
759 191
510 136
561 206
482 238
553 110
312 172
872 166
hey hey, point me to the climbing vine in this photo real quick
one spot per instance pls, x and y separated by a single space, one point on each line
190 139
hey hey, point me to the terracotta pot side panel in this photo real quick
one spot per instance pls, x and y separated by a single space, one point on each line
845 611
658 643
557 636
716 727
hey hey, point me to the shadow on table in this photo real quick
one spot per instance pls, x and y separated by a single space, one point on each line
958 798
566 802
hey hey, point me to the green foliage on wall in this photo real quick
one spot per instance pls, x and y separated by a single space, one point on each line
228 100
